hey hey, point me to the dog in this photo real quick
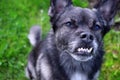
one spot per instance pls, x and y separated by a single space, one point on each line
73 49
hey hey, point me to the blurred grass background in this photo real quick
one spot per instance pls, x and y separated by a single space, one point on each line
16 18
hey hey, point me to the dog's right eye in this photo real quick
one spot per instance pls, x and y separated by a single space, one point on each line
97 27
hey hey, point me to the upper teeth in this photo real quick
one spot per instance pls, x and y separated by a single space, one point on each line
84 50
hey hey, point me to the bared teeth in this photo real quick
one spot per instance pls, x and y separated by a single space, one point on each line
85 50
90 50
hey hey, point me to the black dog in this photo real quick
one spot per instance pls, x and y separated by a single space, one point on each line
73 49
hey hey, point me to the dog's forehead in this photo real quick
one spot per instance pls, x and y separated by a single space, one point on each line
80 14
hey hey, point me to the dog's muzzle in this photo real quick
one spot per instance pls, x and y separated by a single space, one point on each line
82 54
83 49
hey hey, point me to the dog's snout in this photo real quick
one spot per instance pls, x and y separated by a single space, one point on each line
87 37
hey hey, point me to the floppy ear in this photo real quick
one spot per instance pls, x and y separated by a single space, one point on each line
57 6
108 9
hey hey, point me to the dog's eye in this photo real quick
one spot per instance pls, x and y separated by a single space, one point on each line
69 24
96 27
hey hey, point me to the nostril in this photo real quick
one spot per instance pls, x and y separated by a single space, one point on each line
83 35
91 37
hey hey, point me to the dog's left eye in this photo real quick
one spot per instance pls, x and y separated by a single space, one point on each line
69 24
96 27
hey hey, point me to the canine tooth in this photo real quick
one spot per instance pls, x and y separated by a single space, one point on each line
79 49
90 50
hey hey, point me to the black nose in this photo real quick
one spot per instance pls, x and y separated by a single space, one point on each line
87 37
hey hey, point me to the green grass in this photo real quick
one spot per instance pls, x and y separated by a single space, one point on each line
16 18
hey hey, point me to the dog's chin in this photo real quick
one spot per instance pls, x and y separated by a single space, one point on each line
82 54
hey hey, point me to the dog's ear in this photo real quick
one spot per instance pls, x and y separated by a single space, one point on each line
57 6
108 9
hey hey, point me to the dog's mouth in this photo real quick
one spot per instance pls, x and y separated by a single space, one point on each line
82 53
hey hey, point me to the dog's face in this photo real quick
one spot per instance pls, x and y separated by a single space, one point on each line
79 31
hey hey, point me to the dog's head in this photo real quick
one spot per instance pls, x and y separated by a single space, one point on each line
79 31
